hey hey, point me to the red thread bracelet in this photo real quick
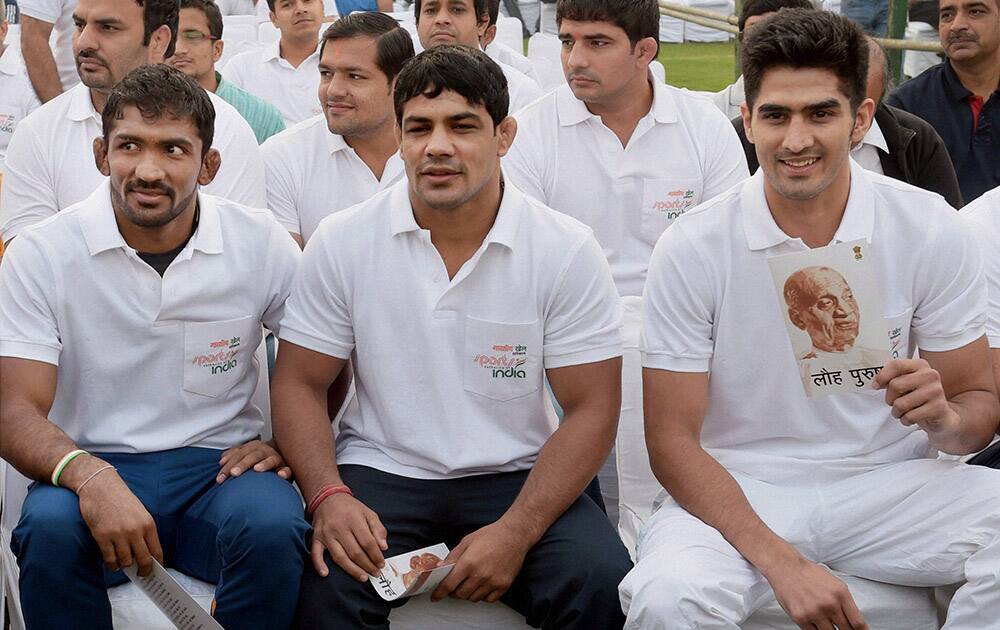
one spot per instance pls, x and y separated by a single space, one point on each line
325 493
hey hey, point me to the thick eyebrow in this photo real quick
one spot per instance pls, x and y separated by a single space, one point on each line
774 108
179 141
108 21
423 120
589 37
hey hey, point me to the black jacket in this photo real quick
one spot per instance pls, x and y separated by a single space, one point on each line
917 154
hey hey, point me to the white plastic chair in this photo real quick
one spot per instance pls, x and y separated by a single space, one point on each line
239 32
510 32
547 18
916 61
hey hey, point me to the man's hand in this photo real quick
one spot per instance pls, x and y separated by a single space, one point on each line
261 456
914 390
351 533
486 563
120 523
815 599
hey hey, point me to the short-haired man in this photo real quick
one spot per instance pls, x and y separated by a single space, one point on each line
768 486
285 72
465 22
897 144
51 70
150 284
17 98
199 48
621 151
959 97
451 268
729 98
49 159
351 152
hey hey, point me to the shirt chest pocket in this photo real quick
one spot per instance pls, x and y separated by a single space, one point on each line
217 354
898 329
663 200
502 361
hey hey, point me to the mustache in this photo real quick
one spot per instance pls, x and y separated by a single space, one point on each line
450 165
962 36
149 187
90 54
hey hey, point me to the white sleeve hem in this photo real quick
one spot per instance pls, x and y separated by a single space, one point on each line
661 361
35 351
592 355
323 346
945 343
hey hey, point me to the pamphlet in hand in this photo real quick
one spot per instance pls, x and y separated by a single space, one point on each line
833 314
172 600
412 573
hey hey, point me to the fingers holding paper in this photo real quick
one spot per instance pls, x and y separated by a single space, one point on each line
352 534
914 391
486 563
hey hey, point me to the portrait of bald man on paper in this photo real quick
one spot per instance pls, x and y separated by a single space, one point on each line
833 316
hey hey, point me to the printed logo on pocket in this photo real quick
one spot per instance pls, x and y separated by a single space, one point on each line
7 123
505 361
676 203
220 357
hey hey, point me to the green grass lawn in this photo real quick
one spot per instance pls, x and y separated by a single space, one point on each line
706 66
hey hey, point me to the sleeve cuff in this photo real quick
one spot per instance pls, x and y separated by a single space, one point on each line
660 361
944 343
29 350
323 346
591 355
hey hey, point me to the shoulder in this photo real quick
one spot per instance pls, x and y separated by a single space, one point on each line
717 216
984 214
354 229
697 110
295 140
542 113
57 237
541 223
909 212
918 85
50 114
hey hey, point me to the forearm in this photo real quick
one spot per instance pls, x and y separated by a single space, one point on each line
303 434
702 486
42 70
568 461
979 412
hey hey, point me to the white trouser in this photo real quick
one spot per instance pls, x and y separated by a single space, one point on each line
915 523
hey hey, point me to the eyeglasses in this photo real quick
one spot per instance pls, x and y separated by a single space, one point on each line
196 36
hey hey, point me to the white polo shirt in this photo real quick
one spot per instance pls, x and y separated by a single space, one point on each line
449 374
502 53
711 306
312 173
59 13
50 160
983 215
682 152
147 363
866 152
522 89
17 98
267 75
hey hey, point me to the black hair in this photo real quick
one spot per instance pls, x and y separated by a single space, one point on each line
753 8
800 38
493 8
159 90
393 45
157 13
481 7
460 69
638 18
212 14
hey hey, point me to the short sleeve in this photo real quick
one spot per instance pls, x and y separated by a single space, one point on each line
950 310
524 163
725 162
986 230
28 190
281 191
317 316
29 328
285 255
583 319
46 10
241 175
678 307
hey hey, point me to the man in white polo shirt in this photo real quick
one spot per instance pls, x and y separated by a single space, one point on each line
464 22
128 324
334 161
17 99
285 72
768 486
453 296
52 70
623 153
48 160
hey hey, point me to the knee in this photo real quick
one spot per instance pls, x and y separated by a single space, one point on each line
662 596
51 526
599 573
266 524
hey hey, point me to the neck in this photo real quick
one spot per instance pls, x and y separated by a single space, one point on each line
622 113
158 240
210 81
295 51
815 220
463 227
979 76
375 148
98 98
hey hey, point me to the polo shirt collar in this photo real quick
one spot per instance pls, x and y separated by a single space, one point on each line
953 85
762 232
80 106
334 141
875 137
272 51
573 111
100 229
503 232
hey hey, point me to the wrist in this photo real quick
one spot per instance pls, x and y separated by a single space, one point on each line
323 494
79 469
777 558
523 532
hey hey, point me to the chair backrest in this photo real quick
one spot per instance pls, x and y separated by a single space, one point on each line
510 32
544 53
